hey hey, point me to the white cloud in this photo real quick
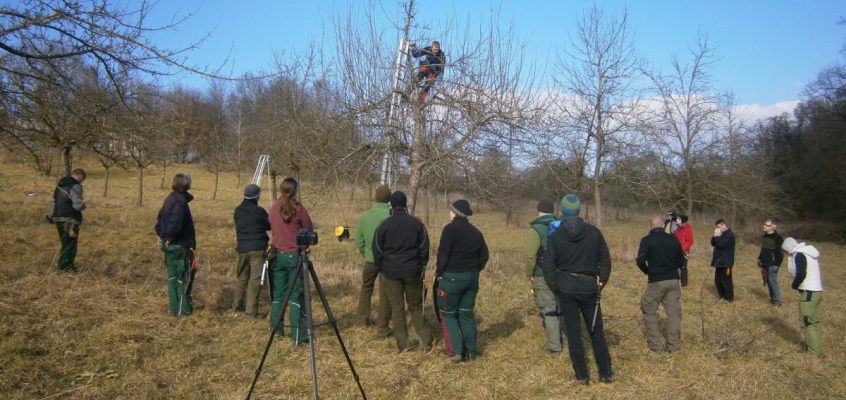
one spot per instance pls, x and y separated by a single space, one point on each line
754 111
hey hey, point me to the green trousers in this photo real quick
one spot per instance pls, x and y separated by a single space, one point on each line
457 298
180 278
69 236
281 278
249 274
809 311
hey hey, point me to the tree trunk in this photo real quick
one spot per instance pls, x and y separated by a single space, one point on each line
164 174
216 179
597 194
689 190
106 183
140 200
415 159
426 200
67 159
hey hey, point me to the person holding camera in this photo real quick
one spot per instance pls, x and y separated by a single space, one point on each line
462 254
287 218
723 259
175 228
251 226
661 258
400 253
769 260
684 233
67 215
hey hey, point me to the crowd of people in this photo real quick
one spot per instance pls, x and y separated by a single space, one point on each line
566 258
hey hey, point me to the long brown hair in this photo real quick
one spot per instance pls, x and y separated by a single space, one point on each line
289 188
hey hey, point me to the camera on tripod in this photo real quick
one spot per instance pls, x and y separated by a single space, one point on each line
306 237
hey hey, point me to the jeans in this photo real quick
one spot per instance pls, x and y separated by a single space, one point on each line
772 284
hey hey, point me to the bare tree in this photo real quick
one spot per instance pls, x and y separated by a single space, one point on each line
686 120
599 102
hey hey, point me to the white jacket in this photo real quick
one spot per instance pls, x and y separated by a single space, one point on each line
813 278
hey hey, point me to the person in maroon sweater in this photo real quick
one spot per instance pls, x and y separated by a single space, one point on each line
287 217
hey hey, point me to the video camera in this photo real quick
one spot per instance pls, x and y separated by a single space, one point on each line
306 237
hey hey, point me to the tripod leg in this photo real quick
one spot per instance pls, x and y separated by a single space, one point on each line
298 274
319 288
309 321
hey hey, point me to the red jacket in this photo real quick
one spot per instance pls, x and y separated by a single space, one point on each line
285 233
685 236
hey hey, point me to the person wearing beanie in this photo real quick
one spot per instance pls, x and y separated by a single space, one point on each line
68 205
287 218
661 259
769 260
684 233
175 229
368 221
576 265
462 254
400 254
804 265
251 226
536 243
723 259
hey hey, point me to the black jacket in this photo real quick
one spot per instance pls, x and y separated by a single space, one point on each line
575 254
401 246
462 248
175 223
251 226
770 255
723 250
660 256
436 61
62 201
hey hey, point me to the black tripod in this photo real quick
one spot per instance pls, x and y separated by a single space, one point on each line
304 264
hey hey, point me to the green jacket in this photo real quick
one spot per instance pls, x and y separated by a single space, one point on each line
368 221
536 243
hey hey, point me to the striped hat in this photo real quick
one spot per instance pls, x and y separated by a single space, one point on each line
570 205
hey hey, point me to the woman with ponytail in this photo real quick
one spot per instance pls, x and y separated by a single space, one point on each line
287 217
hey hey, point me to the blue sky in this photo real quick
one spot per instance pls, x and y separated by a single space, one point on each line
769 49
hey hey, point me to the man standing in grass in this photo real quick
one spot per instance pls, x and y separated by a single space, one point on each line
175 228
400 253
804 266
67 215
251 226
769 260
723 259
661 258
577 266
536 242
364 230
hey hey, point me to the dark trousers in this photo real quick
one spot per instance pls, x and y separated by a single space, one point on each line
281 278
180 278
456 300
369 276
725 287
571 306
69 236
248 270
407 291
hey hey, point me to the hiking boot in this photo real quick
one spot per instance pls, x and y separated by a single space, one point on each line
455 358
606 379
584 381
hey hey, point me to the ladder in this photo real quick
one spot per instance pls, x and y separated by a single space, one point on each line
263 166
396 112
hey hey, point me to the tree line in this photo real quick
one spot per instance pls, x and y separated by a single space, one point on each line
82 77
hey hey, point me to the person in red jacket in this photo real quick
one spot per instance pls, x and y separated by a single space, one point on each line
684 234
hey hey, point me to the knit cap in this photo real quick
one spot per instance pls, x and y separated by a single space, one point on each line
461 208
252 191
570 205
545 205
398 200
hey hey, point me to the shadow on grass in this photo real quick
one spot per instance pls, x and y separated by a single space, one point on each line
511 322
788 332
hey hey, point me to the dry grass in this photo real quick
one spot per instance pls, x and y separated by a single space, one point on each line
104 332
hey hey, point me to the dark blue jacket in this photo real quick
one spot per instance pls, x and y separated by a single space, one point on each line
435 61
251 226
723 250
401 246
175 223
660 256
576 254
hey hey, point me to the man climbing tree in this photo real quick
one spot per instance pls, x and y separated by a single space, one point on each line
431 66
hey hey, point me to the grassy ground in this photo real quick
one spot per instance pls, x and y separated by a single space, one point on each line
105 333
